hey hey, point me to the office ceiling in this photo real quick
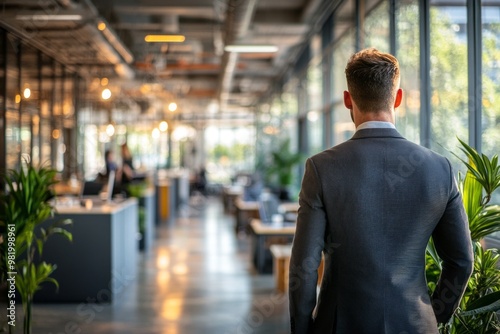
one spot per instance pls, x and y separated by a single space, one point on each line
198 74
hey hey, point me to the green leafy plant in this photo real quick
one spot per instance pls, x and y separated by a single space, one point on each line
477 311
24 206
137 190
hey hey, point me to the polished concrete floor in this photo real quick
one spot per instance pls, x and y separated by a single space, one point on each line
198 278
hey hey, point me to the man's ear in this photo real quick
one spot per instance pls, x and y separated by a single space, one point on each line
399 98
347 100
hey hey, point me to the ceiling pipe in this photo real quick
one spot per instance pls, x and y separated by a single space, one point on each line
238 17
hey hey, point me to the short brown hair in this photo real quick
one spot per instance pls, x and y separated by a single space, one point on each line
372 79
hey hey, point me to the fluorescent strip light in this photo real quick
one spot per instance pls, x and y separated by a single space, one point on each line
165 38
251 48
44 17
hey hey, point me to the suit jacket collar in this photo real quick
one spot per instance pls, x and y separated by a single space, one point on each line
377 133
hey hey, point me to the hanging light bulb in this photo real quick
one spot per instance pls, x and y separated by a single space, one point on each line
156 133
101 26
27 93
163 126
106 94
110 130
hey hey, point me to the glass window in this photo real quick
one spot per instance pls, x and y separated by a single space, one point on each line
229 150
314 132
315 86
376 28
490 77
46 98
314 115
57 143
408 54
449 85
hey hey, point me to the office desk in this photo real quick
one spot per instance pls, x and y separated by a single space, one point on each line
264 236
245 211
101 260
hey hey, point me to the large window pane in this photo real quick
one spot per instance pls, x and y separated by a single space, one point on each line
46 98
314 115
408 54
229 150
491 77
13 100
449 109
29 102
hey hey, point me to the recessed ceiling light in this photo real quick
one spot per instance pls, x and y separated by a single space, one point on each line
101 26
165 38
251 48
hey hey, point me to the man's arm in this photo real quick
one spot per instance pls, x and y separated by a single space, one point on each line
453 244
308 244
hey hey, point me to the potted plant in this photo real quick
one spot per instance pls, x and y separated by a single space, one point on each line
23 207
281 168
477 310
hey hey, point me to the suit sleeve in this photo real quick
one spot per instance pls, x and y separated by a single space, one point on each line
453 244
307 246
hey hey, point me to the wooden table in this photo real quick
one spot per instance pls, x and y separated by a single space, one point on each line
265 235
248 210
281 263
229 195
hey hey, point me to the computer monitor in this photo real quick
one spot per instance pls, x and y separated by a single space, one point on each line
268 206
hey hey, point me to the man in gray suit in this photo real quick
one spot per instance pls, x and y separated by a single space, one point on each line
370 206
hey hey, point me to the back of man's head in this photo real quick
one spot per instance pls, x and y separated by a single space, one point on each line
372 80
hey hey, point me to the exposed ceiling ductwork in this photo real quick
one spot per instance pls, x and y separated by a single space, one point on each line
198 70
70 34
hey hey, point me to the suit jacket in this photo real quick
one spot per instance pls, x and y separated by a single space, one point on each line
370 206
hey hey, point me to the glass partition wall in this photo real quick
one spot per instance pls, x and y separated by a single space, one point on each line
449 57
